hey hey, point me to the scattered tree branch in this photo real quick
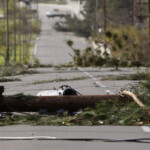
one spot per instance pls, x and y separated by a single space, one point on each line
136 100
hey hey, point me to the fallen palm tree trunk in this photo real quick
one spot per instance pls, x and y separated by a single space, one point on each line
53 103
134 97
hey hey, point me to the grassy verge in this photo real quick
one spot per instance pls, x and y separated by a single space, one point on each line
24 42
9 80
1 10
37 64
137 76
105 113
59 80
59 2
15 70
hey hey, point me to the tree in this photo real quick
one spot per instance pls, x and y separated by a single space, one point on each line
120 11
125 46
82 27
85 27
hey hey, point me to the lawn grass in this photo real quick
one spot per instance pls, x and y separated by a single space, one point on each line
16 69
25 55
136 76
1 11
59 80
9 79
23 52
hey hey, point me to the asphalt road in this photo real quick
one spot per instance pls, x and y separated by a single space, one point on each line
51 47
102 132
92 85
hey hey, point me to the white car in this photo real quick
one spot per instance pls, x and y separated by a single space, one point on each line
63 90
52 14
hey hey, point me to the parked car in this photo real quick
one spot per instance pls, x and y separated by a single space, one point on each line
52 14
57 13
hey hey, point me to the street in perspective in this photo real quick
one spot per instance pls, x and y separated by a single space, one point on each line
74 74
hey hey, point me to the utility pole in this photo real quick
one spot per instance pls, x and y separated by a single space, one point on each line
23 27
104 11
96 15
25 35
140 13
7 34
149 18
4 10
20 32
15 30
37 8
140 4
133 11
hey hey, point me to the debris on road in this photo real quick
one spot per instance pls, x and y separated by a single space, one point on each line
62 90
134 97
69 99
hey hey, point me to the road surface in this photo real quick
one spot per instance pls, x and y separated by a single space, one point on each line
102 132
92 85
51 47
